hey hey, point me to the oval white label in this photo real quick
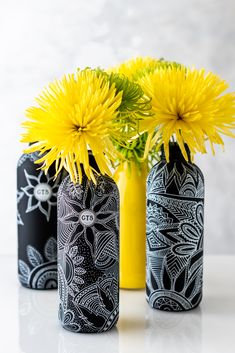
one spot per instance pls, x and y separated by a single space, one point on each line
87 218
42 192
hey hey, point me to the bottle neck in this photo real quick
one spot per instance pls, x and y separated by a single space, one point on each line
175 153
92 161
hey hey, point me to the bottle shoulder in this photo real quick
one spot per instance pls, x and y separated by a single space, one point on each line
176 166
23 158
104 187
27 156
199 171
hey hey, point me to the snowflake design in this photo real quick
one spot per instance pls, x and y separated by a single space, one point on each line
33 182
20 194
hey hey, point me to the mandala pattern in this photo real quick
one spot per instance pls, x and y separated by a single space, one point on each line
175 205
42 271
88 263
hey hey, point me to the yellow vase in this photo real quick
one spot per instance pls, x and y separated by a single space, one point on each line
132 188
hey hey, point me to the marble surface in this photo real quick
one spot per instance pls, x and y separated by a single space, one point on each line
43 39
29 322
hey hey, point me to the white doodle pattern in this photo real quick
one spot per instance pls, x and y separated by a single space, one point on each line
175 204
20 194
88 262
41 273
34 203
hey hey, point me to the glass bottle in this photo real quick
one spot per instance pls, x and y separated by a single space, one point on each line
175 208
37 224
88 254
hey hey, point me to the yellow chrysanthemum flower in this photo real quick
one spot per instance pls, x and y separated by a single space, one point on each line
74 115
135 69
131 68
189 105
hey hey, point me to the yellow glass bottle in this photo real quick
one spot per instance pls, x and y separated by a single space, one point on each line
131 181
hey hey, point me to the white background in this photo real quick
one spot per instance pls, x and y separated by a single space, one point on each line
42 39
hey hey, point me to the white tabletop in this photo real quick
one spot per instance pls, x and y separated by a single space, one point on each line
28 319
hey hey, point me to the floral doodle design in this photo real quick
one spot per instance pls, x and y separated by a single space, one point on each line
99 203
67 317
20 194
97 304
175 202
44 203
41 274
73 270
75 190
88 221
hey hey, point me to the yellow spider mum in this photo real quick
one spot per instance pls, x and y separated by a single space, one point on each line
131 68
190 106
73 115
135 69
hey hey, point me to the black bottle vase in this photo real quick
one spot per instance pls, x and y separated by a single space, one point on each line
88 254
37 224
175 209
